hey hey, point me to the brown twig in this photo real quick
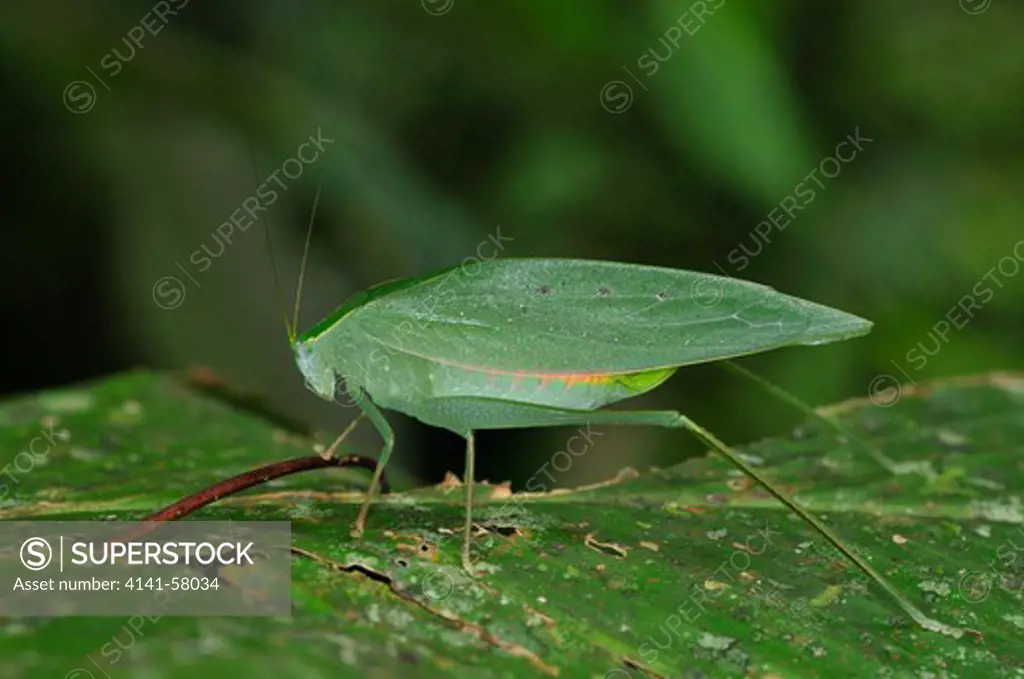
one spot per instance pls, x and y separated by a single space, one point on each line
256 477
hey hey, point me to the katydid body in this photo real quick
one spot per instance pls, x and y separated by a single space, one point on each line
543 342
518 343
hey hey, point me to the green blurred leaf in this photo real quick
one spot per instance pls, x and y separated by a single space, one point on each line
724 97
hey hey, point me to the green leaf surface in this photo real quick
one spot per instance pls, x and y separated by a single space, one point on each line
683 572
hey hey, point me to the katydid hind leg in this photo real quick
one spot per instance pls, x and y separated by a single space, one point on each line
496 414
465 413
377 418
909 608
467 536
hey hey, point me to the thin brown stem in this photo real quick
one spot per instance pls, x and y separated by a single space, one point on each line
249 479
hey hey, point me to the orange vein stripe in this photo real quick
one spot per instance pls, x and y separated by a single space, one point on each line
579 377
545 377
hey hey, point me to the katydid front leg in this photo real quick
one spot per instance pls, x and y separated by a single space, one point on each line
371 411
329 453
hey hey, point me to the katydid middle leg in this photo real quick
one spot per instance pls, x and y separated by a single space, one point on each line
468 532
498 414
377 418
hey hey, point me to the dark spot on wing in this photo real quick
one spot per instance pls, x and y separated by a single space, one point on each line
661 296
543 289
603 291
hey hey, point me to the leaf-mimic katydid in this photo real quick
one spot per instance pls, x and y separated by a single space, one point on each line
514 343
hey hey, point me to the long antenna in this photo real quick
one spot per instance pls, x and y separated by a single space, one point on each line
270 252
305 255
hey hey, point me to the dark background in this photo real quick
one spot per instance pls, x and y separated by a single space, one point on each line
453 117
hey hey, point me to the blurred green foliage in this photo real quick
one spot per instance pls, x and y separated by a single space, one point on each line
661 132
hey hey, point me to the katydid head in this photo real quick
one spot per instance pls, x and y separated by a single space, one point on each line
319 376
